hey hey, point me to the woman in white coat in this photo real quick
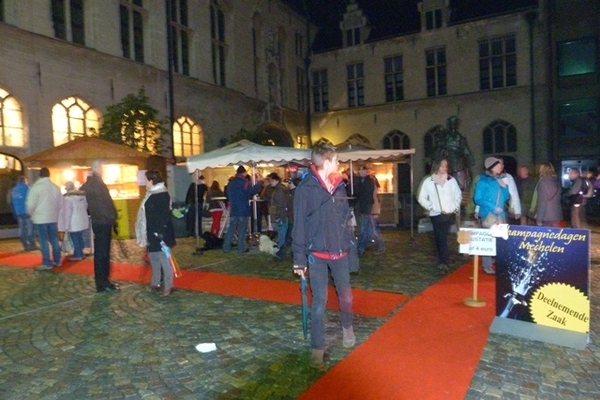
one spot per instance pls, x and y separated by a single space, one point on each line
440 196
73 218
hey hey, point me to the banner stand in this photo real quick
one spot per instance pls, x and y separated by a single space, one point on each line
547 334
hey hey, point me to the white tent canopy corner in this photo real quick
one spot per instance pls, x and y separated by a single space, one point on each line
245 152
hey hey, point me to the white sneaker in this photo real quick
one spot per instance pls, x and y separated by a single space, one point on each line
44 268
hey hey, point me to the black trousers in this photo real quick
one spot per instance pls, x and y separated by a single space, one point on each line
441 226
102 240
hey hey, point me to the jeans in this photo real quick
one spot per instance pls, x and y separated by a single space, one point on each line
241 224
26 231
102 240
282 229
49 234
318 278
368 231
441 227
78 245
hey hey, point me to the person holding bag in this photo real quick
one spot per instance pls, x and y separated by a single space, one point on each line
491 196
440 196
153 225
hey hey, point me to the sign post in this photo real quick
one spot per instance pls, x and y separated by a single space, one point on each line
476 242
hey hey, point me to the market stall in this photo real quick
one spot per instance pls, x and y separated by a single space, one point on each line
384 163
123 169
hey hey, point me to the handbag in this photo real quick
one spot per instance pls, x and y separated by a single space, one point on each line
67 243
492 219
446 218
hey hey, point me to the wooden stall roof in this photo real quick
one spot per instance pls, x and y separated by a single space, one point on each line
82 151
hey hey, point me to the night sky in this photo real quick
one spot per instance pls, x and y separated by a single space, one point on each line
391 17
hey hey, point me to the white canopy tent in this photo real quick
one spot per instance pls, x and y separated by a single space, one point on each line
247 153
243 152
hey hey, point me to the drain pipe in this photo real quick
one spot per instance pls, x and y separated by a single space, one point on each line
531 17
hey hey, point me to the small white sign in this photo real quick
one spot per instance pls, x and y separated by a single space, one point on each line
482 243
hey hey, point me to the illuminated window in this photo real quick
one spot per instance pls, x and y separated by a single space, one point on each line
187 138
67 19
72 118
499 137
577 57
180 36
396 140
132 29
11 121
217 34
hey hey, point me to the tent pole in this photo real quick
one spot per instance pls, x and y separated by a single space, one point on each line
198 251
412 201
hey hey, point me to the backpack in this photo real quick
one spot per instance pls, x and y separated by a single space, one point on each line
587 189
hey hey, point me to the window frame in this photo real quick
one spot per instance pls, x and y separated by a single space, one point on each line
393 79
355 83
497 62
320 89
436 73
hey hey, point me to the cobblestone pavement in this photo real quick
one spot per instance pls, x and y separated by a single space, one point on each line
61 340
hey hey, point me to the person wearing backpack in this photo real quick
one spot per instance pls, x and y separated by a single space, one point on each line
577 199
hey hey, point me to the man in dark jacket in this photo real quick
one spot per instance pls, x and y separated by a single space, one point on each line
104 216
281 206
195 207
577 200
238 192
322 240
365 198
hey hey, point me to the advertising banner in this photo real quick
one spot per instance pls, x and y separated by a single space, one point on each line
542 284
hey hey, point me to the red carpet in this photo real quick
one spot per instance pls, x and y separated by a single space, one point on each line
428 350
367 303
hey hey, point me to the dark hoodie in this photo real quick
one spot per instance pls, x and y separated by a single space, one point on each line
321 219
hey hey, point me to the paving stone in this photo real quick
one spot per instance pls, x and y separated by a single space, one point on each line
59 339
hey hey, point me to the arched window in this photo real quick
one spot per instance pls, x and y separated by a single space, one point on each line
429 140
11 121
499 137
72 118
187 137
396 140
429 146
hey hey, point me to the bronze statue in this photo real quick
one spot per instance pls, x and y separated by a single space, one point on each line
453 146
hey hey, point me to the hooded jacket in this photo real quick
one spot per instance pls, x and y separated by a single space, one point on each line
321 220
73 216
489 195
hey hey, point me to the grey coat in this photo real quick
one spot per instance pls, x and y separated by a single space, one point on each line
549 208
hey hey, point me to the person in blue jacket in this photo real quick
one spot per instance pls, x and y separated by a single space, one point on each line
18 197
239 191
491 195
